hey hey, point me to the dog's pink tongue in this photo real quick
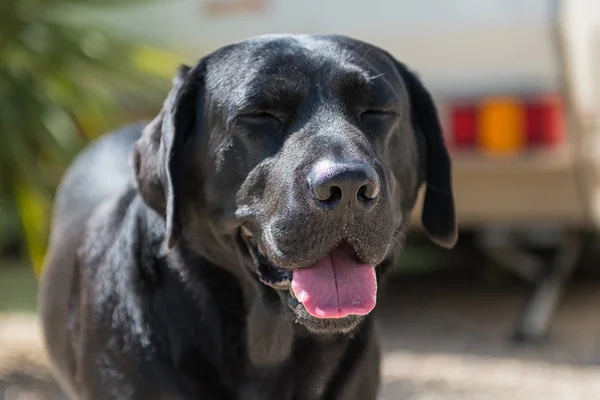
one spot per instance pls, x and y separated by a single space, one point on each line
336 286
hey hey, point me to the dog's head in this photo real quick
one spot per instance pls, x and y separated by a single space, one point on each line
308 149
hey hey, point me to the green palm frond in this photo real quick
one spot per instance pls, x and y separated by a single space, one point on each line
61 84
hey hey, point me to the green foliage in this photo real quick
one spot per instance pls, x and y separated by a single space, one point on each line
60 86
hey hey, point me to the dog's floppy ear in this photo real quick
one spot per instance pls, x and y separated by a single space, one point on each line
157 155
438 208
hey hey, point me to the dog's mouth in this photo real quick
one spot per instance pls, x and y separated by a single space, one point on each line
336 286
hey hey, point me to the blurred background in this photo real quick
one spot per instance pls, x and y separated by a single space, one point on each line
511 313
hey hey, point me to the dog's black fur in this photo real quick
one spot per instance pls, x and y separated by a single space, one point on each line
151 286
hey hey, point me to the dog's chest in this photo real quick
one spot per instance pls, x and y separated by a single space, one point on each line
306 376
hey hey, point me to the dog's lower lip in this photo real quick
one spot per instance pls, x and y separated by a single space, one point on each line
276 278
269 274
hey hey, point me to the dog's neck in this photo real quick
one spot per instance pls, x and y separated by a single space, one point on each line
270 329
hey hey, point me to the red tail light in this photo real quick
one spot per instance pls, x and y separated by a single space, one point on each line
464 126
544 122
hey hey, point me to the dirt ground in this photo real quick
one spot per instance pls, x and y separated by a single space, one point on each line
453 343
440 343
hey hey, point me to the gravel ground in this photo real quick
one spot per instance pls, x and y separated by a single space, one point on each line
439 343
452 344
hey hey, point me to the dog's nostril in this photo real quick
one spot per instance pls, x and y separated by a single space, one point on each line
333 197
367 192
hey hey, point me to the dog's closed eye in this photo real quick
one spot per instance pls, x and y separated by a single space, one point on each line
376 117
378 113
260 118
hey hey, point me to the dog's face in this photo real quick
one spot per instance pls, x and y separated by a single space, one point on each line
310 150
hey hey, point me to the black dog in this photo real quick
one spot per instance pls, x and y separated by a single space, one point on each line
241 259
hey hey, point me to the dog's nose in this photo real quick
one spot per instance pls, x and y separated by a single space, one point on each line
337 184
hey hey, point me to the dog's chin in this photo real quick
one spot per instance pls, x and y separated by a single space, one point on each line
280 280
324 326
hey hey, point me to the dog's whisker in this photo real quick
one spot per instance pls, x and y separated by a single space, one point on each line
372 78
